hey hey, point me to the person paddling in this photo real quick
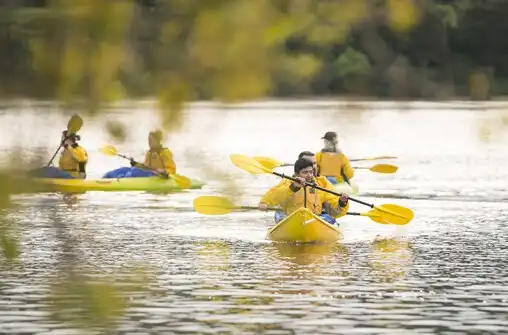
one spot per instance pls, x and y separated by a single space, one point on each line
74 158
290 195
72 163
321 181
333 163
157 158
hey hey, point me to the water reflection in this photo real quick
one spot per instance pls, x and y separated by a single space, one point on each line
213 256
309 253
390 259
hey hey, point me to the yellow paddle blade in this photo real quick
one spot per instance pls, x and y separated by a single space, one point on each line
376 216
181 181
395 214
210 205
248 164
384 168
372 158
268 162
109 150
74 124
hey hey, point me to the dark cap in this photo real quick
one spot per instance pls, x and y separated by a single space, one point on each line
330 136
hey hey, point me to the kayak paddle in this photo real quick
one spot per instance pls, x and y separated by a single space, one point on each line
272 163
394 214
73 126
372 158
181 181
379 168
212 205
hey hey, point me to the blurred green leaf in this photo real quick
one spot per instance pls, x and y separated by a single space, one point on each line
352 62
448 14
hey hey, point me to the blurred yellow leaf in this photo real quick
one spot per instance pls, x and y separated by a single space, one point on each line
117 130
302 66
403 15
279 31
85 302
174 90
10 247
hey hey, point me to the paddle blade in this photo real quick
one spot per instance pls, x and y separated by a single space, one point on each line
372 158
109 150
182 181
210 205
74 124
376 216
395 214
384 168
248 164
269 163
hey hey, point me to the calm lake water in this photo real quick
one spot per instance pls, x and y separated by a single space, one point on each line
445 272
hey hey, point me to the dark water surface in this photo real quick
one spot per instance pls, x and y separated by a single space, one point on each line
446 272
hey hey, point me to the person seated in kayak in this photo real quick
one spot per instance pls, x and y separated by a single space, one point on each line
157 158
290 196
333 163
321 181
72 162
74 158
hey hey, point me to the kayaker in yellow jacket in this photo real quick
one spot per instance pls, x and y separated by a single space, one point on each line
73 158
158 157
290 196
333 163
320 180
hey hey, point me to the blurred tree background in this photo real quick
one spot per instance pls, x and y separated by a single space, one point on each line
96 51
88 53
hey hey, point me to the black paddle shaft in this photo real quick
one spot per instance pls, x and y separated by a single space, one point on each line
54 155
321 188
144 166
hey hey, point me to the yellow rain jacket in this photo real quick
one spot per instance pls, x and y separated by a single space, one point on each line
160 159
282 195
334 164
74 160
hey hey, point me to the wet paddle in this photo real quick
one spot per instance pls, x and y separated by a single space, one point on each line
73 126
394 214
181 181
212 205
272 163
372 158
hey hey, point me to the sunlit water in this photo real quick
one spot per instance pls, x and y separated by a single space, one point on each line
447 274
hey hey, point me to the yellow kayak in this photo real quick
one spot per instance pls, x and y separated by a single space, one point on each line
147 184
304 226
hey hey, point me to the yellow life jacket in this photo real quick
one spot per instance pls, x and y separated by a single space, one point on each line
73 160
270 198
334 164
297 200
160 159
